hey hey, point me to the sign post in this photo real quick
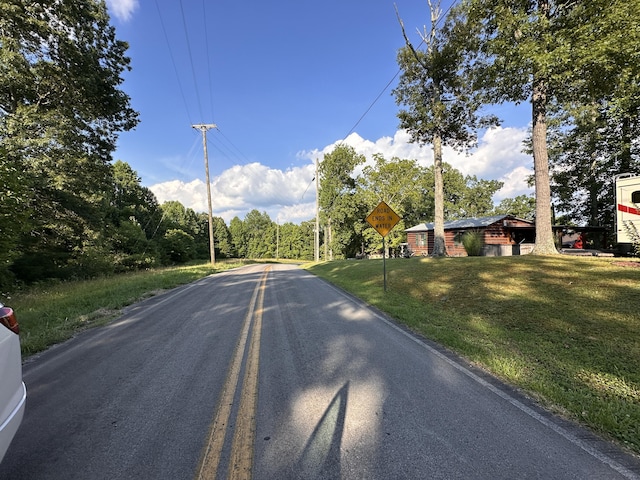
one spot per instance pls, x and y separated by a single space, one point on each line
383 219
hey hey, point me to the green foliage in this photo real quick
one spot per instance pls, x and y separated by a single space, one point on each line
238 238
296 241
259 235
178 246
400 184
473 243
221 234
441 105
522 206
632 231
61 109
578 64
341 205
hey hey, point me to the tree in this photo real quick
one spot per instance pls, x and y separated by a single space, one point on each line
398 183
296 241
546 52
14 213
178 245
341 211
238 237
441 107
522 206
131 199
221 234
259 234
177 215
61 109
592 137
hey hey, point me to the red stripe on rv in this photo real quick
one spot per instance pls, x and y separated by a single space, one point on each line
631 210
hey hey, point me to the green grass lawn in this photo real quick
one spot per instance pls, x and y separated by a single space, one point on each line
564 329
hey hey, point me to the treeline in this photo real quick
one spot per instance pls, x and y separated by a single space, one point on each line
66 210
124 228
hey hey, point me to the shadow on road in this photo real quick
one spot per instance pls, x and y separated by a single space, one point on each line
321 455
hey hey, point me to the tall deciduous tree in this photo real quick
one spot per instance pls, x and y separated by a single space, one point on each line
61 109
260 235
547 52
238 238
341 211
597 122
441 109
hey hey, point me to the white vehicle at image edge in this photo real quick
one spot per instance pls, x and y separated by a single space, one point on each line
13 393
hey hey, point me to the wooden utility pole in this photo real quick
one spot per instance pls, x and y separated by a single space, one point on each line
203 127
316 238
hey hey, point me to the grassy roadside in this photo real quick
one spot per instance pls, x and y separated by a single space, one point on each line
52 313
564 329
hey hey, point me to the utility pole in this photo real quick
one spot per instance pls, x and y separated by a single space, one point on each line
316 240
203 127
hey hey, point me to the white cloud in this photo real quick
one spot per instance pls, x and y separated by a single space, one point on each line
122 9
289 195
285 195
515 183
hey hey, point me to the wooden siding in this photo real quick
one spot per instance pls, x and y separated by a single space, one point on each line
497 234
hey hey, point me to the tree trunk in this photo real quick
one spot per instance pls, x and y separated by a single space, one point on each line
330 239
545 244
439 247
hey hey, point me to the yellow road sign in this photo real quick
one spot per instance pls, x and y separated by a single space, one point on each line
383 219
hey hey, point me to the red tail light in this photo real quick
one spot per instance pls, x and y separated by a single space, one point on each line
8 319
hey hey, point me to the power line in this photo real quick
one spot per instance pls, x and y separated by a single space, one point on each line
206 42
231 143
175 69
193 70
373 103
442 17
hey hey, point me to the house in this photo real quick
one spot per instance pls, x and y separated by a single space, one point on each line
503 235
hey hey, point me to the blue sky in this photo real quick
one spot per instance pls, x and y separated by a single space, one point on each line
284 81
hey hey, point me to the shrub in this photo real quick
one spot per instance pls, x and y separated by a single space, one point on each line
473 243
631 230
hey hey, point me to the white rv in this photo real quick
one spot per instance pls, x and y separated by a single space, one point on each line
627 205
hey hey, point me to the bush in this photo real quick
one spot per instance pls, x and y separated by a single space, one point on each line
473 243
631 230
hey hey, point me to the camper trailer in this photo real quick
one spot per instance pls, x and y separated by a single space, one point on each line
627 205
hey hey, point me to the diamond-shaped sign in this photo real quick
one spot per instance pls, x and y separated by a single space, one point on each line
383 219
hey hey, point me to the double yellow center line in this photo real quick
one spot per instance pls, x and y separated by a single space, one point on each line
241 459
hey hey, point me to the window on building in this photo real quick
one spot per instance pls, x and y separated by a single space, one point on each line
457 238
422 240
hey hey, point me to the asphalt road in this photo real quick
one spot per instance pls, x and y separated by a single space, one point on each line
267 372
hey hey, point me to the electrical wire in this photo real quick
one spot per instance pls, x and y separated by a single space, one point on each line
193 70
173 62
206 42
442 17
